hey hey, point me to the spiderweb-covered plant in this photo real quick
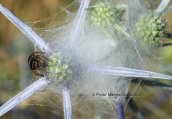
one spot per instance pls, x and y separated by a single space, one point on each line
151 29
149 26
104 14
82 61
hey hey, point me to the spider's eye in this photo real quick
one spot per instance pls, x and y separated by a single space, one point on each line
34 64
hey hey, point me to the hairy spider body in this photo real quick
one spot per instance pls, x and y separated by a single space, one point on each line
37 63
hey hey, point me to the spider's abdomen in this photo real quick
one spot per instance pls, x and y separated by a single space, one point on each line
37 62
34 64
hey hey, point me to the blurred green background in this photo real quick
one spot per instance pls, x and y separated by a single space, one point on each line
15 75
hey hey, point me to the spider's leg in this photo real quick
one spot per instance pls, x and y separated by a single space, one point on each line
36 69
40 52
44 63
37 53
37 73
40 60
40 74
44 57
40 56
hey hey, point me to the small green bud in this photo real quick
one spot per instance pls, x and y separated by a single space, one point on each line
151 29
95 20
105 10
107 14
103 16
102 4
59 67
101 9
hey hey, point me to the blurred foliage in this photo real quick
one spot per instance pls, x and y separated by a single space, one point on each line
27 11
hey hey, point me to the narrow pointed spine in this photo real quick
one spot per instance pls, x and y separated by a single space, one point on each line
162 6
166 44
119 108
36 39
132 105
23 95
127 72
67 102
79 20
166 10
70 13
151 83
168 35
119 28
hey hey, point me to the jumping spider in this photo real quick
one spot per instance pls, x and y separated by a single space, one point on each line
37 63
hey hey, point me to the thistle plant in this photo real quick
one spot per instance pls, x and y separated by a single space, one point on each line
151 29
59 67
108 15
104 14
83 61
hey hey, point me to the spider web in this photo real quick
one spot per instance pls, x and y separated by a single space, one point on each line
93 47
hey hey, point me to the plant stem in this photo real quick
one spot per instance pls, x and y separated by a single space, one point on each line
127 72
67 102
36 39
119 108
79 20
23 95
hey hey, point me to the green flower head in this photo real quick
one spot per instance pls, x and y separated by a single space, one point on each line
105 14
59 67
151 29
